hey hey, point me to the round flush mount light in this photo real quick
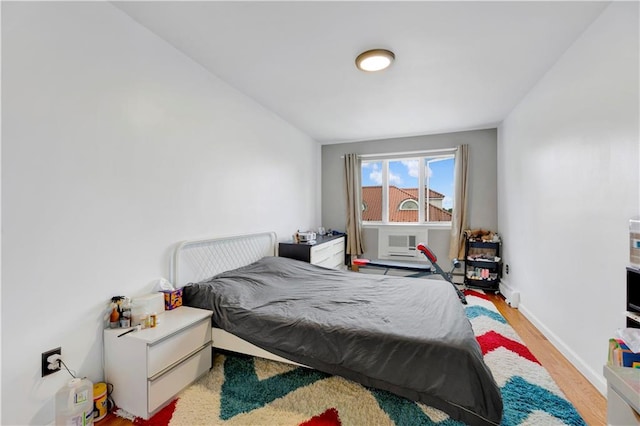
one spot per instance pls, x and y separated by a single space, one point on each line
375 60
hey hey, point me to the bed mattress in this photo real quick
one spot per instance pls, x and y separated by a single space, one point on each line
405 335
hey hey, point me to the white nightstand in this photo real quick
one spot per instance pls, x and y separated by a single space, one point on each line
149 367
623 395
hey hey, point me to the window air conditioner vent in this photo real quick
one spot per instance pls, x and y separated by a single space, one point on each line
396 243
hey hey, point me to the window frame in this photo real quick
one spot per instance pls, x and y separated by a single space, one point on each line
421 156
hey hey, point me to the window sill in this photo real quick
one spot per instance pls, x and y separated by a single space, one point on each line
433 225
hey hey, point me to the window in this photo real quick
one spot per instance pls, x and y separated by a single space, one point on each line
394 188
409 204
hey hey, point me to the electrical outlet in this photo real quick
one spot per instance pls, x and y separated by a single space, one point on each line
45 363
506 268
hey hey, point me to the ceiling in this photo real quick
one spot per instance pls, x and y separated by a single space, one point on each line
459 65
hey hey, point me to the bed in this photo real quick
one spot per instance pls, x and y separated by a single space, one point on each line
377 330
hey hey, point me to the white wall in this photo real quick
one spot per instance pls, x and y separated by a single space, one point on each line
115 147
568 184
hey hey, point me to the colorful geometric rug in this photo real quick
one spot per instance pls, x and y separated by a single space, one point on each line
245 391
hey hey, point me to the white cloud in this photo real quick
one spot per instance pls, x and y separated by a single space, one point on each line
447 202
374 166
376 176
412 167
394 179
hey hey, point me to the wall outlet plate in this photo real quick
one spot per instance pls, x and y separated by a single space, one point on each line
45 363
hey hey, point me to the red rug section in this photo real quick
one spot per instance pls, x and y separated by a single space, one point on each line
469 292
161 418
328 418
492 340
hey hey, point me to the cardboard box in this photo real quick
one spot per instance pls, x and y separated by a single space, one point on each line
172 299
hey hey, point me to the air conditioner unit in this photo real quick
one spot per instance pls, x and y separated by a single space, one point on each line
401 245
394 244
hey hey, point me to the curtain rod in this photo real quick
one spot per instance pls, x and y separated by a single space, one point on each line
397 154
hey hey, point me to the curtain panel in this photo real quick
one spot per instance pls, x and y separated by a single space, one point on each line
352 171
459 219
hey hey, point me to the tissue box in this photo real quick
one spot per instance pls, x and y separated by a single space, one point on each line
172 299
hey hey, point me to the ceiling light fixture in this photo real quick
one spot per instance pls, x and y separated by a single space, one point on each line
374 60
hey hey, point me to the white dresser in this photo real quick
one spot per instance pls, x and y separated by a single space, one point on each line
327 251
147 368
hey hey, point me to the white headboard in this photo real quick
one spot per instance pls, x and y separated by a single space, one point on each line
195 261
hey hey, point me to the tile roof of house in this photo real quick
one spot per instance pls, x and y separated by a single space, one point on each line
372 198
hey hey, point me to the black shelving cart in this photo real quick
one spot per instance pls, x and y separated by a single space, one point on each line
483 264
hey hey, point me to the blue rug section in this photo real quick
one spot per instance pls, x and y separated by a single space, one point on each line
520 398
478 311
404 412
242 391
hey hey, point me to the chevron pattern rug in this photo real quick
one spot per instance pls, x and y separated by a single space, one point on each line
245 391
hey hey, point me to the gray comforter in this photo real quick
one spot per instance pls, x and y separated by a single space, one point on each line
405 335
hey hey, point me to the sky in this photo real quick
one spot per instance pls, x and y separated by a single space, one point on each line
404 174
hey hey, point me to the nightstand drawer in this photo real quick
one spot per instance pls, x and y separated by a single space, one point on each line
164 387
170 350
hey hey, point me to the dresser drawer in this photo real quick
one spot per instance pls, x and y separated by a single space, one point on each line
334 262
321 254
175 347
165 386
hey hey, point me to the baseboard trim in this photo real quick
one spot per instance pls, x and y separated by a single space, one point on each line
596 379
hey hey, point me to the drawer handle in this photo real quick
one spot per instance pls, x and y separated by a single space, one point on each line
191 355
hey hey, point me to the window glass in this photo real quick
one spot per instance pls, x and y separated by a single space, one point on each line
403 182
438 189
371 191
393 190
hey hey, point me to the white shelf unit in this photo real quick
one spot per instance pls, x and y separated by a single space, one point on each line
147 368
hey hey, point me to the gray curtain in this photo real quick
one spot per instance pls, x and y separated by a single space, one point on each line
352 171
459 219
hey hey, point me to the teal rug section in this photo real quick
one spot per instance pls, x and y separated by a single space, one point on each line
405 412
478 311
521 398
243 392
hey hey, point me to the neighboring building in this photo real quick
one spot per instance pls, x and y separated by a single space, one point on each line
403 205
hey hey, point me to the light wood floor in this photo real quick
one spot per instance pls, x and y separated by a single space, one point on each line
591 405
